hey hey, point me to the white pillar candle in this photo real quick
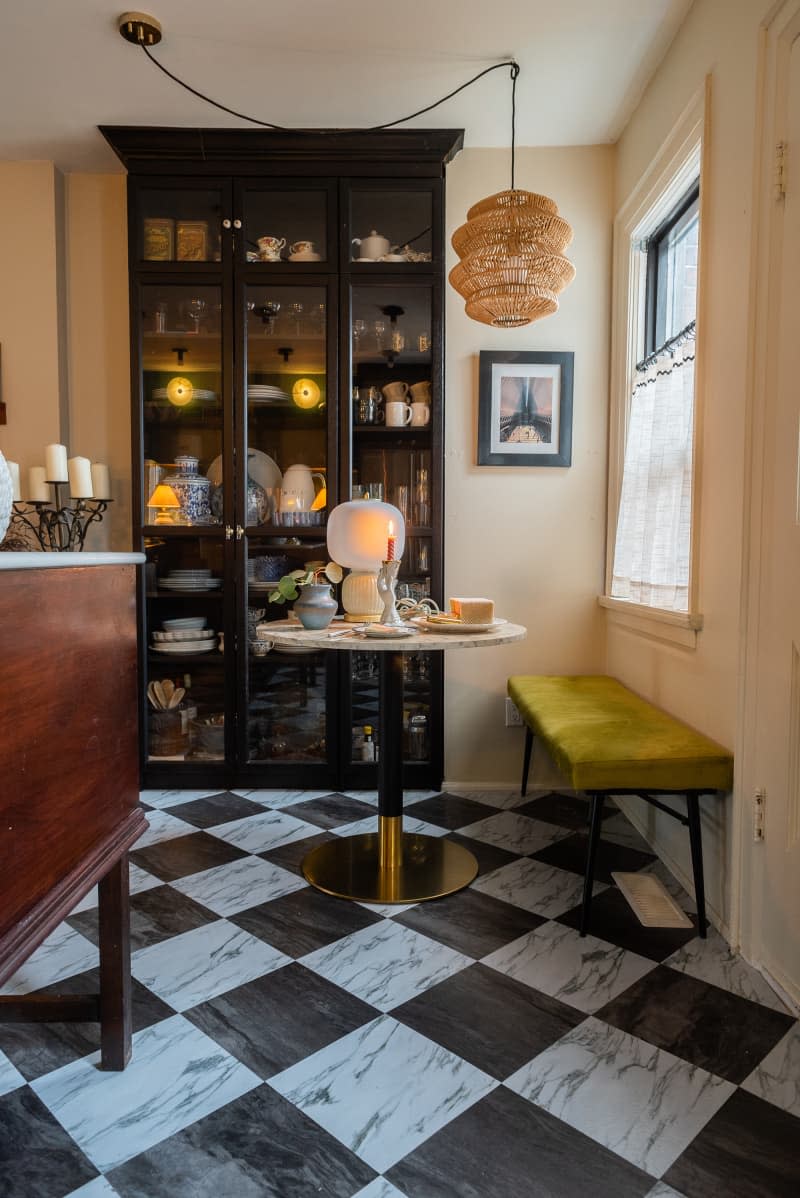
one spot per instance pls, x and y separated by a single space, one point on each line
80 478
13 470
38 490
55 463
101 481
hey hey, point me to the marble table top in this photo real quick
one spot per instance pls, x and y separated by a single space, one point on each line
60 561
286 632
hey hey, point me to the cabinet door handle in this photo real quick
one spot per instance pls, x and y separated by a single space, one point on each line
226 224
228 532
237 224
239 532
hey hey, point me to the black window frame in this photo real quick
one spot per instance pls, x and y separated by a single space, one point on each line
656 259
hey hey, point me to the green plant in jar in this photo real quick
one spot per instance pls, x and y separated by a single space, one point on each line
288 586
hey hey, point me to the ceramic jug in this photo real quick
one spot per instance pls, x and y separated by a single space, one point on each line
298 492
372 247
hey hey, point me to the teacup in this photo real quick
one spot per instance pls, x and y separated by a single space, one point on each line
270 248
421 392
395 391
301 247
420 414
398 414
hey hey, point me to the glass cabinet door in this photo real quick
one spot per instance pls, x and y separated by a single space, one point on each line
286 407
179 225
391 226
286 225
391 459
182 442
181 360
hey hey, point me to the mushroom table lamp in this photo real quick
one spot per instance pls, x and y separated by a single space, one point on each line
167 502
358 537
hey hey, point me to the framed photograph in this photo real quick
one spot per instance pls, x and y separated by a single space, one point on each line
525 408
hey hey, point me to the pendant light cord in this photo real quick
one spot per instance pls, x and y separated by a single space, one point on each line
514 72
371 129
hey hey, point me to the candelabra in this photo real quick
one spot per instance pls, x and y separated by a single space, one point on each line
387 586
55 526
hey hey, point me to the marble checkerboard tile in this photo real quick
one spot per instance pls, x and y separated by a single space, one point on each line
289 1044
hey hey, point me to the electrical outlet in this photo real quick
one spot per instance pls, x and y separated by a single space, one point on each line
759 801
513 718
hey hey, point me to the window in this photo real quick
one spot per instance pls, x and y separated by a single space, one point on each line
671 280
652 463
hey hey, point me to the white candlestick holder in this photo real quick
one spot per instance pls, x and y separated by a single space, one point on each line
387 587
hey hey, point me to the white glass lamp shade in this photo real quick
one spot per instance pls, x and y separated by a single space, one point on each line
306 393
358 533
180 392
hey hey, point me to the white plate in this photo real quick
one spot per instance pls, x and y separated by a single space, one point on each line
295 650
260 466
210 584
386 631
184 622
186 635
447 627
182 647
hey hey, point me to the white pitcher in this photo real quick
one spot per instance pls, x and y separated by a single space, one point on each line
298 491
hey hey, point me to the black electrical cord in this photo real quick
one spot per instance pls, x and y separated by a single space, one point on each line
371 129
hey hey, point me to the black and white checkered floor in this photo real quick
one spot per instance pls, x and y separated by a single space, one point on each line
290 1044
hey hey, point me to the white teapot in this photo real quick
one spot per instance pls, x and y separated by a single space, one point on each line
372 247
298 491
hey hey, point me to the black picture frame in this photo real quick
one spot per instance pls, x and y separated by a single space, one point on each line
525 411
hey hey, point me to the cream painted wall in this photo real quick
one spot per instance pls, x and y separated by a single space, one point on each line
98 340
719 37
30 311
532 539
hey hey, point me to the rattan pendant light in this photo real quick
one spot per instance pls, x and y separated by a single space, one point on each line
512 267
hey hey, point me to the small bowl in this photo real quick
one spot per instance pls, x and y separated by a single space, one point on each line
260 648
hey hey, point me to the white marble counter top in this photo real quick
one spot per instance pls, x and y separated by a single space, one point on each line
51 561
285 632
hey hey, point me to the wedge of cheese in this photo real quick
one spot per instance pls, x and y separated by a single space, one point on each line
473 611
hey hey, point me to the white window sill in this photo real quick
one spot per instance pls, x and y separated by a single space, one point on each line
672 627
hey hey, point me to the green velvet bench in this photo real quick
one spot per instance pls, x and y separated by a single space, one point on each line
608 741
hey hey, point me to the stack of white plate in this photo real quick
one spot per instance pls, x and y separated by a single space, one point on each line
198 393
198 640
258 393
190 580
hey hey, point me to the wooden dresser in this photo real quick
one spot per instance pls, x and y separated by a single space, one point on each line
69 782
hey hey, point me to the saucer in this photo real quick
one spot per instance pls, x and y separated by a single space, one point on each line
305 258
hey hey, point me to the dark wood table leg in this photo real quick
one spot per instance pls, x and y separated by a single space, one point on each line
696 841
115 967
526 764
596 818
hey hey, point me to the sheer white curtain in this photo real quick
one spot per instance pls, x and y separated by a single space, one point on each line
651 555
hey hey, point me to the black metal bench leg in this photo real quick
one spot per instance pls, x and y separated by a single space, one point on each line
526 763
695 839
596 821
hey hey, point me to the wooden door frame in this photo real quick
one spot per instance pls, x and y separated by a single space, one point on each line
780 29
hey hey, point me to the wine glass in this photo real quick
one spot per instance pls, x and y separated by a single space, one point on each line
379 329
296 311
197 310
359 333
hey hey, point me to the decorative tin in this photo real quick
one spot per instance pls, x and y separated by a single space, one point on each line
192 240
159 239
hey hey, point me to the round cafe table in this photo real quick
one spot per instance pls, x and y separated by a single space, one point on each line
391 866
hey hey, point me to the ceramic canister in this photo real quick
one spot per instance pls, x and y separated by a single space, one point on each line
192 489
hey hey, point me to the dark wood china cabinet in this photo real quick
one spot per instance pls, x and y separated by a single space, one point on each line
278 283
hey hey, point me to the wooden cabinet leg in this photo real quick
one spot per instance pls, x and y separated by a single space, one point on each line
115 967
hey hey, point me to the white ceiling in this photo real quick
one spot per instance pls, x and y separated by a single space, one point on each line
64 69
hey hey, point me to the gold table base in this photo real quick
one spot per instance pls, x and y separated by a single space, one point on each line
390 866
